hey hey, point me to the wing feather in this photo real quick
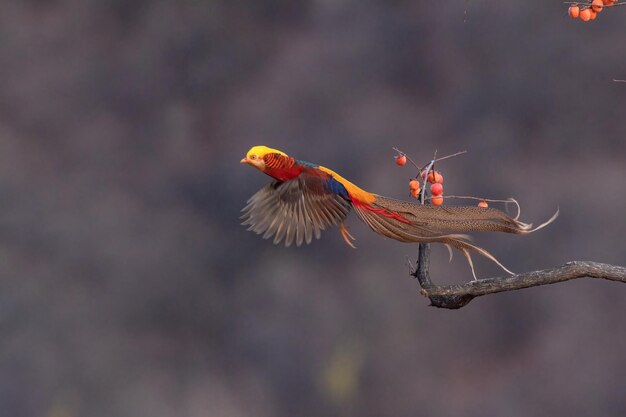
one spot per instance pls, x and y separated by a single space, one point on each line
296 210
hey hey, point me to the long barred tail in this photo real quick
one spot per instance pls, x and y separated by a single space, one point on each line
409 222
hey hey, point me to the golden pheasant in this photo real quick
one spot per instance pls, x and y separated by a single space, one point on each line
306 198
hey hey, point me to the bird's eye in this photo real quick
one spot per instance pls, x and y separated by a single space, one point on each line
252 156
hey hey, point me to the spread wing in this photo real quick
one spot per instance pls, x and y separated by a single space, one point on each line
296 209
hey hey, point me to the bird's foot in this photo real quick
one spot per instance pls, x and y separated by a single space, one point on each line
347 237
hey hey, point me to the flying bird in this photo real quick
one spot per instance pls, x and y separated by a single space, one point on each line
305 198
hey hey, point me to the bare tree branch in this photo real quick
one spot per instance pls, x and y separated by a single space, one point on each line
457 296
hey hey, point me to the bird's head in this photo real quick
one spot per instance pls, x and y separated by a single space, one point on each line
255 156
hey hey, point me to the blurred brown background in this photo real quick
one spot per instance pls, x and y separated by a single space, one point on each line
130 289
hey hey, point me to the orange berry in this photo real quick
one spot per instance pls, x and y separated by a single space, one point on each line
414 184
435 177
596 5
574 11
483 204
415 193
594 14
401 160
585 15
608 2
437 200
436 189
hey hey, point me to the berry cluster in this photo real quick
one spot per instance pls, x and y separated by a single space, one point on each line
589 11
436 188
434 178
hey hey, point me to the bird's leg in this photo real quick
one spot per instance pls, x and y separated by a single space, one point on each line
347 237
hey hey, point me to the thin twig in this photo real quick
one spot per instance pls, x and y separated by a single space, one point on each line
427 170
450 156
434 160
407 157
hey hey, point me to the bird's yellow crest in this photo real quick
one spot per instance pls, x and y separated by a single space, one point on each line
261 151
255 155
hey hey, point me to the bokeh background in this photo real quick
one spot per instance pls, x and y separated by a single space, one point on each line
129 288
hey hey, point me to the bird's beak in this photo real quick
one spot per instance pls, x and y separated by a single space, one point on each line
244 161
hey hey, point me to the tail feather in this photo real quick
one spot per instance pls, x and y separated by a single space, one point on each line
466 247
455 218
544 224
409 222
